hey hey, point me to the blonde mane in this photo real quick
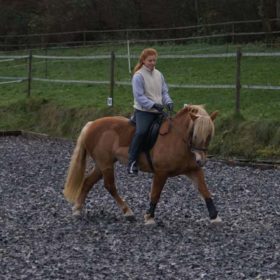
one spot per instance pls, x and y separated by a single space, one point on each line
203 127
203 124
198 110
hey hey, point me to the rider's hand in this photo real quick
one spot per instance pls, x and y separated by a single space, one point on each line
158 107
169 107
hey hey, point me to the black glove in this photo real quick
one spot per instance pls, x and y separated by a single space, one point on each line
170 107
158 107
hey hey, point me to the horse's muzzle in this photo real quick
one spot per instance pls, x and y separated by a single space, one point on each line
200 163
200 158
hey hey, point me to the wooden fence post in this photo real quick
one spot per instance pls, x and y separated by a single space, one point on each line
128 57
238 83
110 101
29 73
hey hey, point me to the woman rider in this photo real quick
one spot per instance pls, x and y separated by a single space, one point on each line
150 94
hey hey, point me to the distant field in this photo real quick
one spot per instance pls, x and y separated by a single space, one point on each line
62 109
254 71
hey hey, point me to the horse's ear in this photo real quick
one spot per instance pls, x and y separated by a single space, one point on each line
193 116
213 115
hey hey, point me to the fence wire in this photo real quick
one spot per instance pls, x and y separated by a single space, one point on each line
12 79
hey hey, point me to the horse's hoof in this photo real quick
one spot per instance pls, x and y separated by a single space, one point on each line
129 216
149 220
217 220
128 213
77 212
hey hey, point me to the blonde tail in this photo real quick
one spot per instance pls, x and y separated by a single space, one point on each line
76 171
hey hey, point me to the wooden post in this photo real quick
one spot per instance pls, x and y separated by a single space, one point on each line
29 74
110 101
128 57
238 83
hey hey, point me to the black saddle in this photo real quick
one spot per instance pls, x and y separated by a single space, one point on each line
152 136
153 132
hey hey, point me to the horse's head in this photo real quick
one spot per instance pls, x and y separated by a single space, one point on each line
201 134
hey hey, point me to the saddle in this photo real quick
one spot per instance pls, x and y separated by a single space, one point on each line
156 128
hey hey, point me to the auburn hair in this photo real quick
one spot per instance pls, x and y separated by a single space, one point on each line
144 54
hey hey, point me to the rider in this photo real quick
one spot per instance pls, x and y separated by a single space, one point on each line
150 95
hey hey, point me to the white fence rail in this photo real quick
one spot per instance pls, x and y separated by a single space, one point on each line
8 80
11 82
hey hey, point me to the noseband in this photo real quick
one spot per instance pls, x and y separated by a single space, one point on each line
194 148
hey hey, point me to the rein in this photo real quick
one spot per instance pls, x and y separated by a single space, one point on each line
168 117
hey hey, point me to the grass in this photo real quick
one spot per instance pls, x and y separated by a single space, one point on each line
62 109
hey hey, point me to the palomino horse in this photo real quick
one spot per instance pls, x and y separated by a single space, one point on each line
180 148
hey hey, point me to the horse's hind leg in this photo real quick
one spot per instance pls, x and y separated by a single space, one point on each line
109 184
198 178
94 176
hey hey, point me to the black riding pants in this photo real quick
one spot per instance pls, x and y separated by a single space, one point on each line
143 123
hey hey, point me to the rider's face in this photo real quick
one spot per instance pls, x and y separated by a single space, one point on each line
150 62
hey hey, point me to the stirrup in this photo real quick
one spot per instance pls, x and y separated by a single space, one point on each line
132 168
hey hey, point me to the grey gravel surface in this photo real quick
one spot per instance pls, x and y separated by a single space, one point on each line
39 238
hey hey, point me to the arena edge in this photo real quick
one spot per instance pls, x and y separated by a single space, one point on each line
238 137
234 137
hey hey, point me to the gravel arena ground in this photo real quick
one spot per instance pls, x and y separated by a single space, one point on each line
40 239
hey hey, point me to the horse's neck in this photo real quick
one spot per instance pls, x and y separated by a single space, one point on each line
182 125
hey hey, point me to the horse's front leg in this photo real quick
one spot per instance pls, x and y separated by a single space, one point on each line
197 177
157 186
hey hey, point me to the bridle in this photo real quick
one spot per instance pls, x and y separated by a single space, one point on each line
194 148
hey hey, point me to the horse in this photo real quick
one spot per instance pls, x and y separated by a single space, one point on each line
180 149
